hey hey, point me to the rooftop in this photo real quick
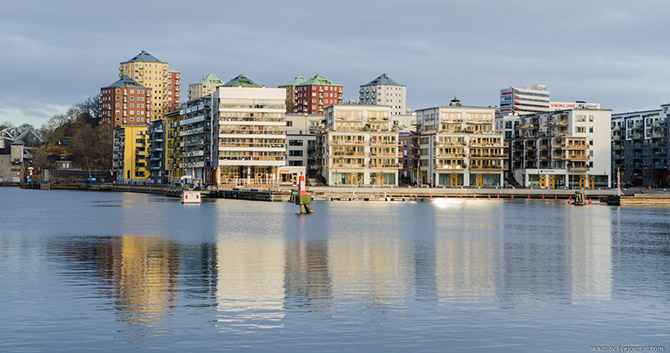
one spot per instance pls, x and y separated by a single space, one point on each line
319 80
296 81
125 82
241 80
210 79
143 57
383 80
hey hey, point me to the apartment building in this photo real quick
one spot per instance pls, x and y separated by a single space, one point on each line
459 146
384 91
249 133
125 102
129 160
527 100
165 84
301 132
640 148
195 140
156 156
205 86
358 146
559 149
311 96
173 146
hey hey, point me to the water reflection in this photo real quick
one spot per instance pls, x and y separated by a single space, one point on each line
591 256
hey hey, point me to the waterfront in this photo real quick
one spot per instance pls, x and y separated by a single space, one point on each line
86 271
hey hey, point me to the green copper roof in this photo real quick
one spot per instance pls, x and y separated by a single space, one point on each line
210 79
143 57
241 80
319 80
296 81
125 82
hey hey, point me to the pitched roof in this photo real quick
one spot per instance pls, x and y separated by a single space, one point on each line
296 81
383 80
210 79
125 82
319 80
241 80
143 57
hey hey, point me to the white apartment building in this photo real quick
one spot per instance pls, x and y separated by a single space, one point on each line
563 149
249 133
300 139
520 101
459 146
385 91
359 146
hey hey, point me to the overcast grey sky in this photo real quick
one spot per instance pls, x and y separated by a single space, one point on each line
56 53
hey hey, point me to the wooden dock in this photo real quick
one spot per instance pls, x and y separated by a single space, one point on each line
640 200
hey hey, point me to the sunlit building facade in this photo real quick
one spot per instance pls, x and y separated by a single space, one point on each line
359 146
125 102
459 146
129 159
249 133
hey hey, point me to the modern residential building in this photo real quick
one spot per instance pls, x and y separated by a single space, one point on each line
520 101
165 84
385 91
459 146
249 133
205 86
156 156
311 96
195 140
358 146
640 147
173 146
125 102
292 93
301 132
563 149
130 153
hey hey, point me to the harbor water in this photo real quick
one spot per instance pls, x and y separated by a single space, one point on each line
120 272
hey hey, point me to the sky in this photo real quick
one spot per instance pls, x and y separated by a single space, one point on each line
57 53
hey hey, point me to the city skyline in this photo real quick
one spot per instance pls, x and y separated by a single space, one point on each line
60 54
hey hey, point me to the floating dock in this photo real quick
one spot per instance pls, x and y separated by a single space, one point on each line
643 200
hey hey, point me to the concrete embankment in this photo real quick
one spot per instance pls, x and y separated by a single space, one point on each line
325 193
648 200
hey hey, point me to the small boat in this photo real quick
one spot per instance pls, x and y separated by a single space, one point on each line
190 196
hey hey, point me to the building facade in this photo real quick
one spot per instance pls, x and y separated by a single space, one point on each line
301 132
311 96
520 101
156 156
292 93
384 91
173 146
125 102
640 147
359 146
563 149
195 140
129 159
249 133
459 146
165 84
207 85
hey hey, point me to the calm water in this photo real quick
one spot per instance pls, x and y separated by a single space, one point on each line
87 271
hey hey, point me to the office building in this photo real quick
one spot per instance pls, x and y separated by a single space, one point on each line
520 101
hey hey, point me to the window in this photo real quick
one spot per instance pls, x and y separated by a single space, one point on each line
297 153
295 142
289 123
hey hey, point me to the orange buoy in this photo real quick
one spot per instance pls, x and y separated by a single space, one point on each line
569 202
445 196
590 203
542 197
460 196
474 196
489 196
529 197
431 196
555 197
512 197
498 196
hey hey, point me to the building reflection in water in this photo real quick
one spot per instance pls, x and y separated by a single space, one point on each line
467 251
141 273
307 285
249 291
591 255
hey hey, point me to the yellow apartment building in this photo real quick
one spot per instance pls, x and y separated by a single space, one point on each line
156 75
130 153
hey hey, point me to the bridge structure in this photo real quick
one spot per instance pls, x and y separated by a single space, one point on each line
20 134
